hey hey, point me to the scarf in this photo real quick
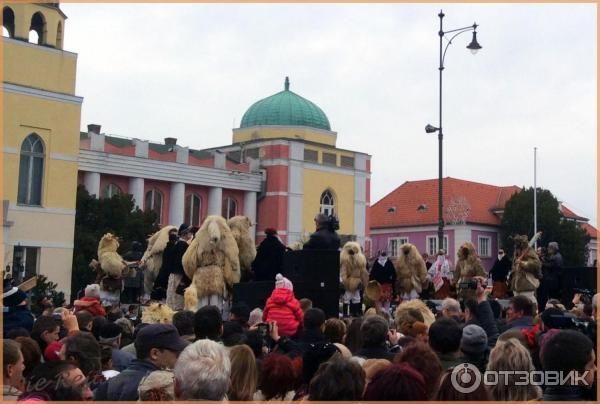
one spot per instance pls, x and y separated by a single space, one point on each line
382 260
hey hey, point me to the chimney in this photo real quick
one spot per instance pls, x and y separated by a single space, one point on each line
94 128
170 141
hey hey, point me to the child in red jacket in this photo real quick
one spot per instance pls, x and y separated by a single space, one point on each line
91 301
284 308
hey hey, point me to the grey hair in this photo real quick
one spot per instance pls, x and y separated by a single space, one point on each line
202 371
451 305
255 317
553 245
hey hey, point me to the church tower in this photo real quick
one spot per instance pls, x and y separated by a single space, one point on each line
40 131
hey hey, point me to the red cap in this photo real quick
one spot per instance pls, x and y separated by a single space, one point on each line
52 350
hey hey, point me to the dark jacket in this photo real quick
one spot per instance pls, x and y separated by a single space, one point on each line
376 353
562 393
552 268
485 319
383 274
501 269
518 324
15 317
323 239
124 386
121 359
269 259
299 345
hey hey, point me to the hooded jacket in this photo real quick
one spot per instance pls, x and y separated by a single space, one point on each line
284 308
91 304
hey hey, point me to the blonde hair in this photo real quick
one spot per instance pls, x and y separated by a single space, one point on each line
244 374
511 355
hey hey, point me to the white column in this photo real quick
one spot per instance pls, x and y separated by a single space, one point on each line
136 189
295 192
176 203
250 210
215 200
91 181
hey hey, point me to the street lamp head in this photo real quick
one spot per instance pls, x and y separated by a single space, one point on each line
431 129
474 45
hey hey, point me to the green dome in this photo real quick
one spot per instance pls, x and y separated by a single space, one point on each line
285 108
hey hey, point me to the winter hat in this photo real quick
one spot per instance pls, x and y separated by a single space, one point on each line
52 351
183 229
283 282
157 385
12 296
92 290
474 339
109 332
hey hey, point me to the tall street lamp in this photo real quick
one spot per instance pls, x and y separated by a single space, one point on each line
474 47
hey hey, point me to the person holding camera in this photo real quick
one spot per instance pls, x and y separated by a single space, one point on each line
325 237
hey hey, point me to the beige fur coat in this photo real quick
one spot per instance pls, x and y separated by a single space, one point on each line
110 261
353 267
211 261
151 262
240 230
411 272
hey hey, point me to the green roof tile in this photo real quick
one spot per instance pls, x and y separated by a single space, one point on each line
285 108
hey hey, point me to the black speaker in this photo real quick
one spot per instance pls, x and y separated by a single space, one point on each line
321 267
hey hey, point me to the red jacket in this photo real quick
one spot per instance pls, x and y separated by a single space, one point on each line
91 304
284 308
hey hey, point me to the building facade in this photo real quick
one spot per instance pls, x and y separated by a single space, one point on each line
472 213
41 120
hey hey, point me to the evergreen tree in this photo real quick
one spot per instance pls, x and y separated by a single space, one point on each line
96 217
518 219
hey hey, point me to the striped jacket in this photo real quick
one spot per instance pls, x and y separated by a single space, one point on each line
284 308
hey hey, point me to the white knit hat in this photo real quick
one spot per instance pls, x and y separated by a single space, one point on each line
283 282
92 290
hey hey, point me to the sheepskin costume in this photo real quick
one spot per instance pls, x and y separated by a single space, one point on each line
212 263
404 312
151 262
157 313
526 269
354 276
411 272
240 230
111 263
467 266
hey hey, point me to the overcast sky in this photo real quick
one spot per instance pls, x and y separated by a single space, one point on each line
190 71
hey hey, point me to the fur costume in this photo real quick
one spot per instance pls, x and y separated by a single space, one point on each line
411 272
526 267
353 276
353 267
240 229
151 262
468 265
212 263
404 310
111 263
157 313
295 246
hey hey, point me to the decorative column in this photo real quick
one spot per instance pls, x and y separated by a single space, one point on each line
91 181
215 200
136 189
250 210
176 203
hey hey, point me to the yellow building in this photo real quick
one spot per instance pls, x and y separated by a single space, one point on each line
41 120
304 172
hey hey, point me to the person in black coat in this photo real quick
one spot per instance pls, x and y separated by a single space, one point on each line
383 271
325 238
172 273
499 273
133 284
552 265
269 257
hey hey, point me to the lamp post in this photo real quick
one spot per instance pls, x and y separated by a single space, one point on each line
474 47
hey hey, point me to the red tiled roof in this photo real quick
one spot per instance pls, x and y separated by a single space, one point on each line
591 230
404 200
568 213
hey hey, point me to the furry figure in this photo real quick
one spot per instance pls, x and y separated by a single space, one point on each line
212 263
151 261
526 268
240 230
157 313
295 246
404 311
468 265
354 276
411 272
111 263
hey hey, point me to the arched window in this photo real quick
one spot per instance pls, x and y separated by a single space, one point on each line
59 35
111 190
31 171
327 204
8 22
154 202
229 208
193 204
37 30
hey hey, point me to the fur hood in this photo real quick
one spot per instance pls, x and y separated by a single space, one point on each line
158 241
240 227
411 272
353 267
108 243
